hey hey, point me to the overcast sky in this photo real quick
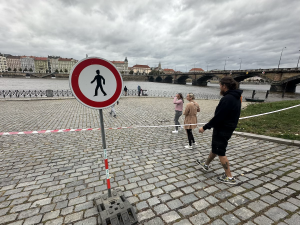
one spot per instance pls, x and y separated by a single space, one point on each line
177 33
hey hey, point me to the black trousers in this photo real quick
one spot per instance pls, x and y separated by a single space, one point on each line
101 88
190 136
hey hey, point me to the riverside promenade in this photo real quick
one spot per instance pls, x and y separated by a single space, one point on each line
52 178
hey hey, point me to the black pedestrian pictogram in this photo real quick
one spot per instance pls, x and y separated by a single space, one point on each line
98 77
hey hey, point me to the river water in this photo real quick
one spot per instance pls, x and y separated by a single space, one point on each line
63 84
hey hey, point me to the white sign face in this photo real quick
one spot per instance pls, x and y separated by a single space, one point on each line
103 86
96 82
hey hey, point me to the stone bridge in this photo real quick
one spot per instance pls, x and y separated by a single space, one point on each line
280 79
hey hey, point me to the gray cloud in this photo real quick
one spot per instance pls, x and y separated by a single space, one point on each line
180 33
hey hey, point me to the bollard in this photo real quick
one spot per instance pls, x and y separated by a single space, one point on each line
267 94
49 93
253 93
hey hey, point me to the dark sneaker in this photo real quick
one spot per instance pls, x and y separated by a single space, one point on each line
202 164
226 180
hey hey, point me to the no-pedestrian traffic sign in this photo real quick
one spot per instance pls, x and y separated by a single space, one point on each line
95 82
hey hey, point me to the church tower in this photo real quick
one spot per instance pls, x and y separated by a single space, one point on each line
126 65
159 66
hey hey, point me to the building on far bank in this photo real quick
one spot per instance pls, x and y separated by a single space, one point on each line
27 64
53 65
122 66
168 71
65 65
196 70
13 63
3 63
141 69
41 64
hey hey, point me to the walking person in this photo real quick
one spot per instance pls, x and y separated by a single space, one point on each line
190 113
113 111
98 78
139 90
224 123
125 91
178 101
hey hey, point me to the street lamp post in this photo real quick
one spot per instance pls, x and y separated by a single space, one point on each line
240 63
280 57
225 62
298 61
207 66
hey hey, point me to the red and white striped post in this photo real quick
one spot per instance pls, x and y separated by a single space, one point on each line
104 152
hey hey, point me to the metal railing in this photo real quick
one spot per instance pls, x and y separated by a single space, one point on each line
68 93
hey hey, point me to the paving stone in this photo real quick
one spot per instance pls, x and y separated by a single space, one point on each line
262 220
276 213
21 207
142 205
89 221
211 199
199 219
243 213
186 211
238 200
58 221
28 213
160 209
201 204
295 186
155 221
145 215
236 189
170 217
187 199
294 220
8 218
223 194
231 219
288 206
257 206
215 212
269 199
73 217
33 220
183 222
174 204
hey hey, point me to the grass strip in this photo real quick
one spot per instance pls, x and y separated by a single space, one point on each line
285 124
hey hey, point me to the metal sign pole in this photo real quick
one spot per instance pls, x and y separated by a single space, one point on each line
104 152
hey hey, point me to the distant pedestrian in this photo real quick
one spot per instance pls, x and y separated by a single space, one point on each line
178 101
125 90
224 123
190 113
113 111
139 90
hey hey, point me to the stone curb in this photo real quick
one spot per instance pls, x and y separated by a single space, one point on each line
268 138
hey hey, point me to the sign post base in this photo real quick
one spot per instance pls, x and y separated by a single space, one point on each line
115 210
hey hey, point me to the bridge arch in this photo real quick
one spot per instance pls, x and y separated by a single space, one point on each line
168 79
151 79
290 84
202 81
239 78
158 79
182 79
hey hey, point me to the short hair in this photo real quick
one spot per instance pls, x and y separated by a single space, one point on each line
191 95
229 82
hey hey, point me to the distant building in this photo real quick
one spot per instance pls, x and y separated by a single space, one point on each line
141 69
122 66
196 70
27 63
65 65
168 71
13 63
53 64
41 64
158 68
3 63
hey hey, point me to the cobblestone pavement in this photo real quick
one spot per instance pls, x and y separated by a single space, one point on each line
52 178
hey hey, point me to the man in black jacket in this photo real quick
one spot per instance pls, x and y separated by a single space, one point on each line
224 123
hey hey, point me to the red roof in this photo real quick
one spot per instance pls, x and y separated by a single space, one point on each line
142 66
64 59
41 58
196 69
169 70
13 57
117 62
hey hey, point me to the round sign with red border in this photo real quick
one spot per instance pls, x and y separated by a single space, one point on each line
96 82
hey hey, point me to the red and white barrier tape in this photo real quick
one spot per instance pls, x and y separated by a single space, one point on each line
117 128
